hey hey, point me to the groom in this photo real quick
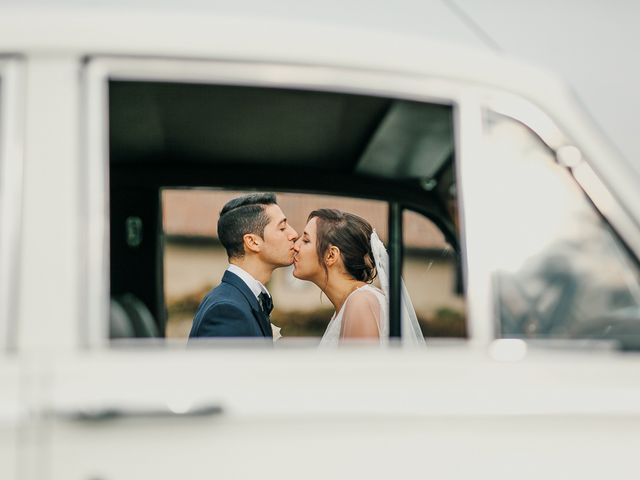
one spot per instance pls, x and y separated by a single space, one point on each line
258 239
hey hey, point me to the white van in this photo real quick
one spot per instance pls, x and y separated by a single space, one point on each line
104 113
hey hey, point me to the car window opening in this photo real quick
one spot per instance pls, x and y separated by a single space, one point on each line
168 140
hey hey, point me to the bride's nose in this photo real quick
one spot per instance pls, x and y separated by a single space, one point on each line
296 245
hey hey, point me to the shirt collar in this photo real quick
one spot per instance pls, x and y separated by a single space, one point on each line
254 285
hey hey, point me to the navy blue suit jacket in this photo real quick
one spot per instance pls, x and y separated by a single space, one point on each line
230 310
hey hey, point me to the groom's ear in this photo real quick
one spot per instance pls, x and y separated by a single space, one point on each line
332 255
252 242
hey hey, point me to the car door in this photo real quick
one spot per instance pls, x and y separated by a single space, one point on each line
142 408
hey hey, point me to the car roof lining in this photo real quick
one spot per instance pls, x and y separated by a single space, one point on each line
239 125
214 124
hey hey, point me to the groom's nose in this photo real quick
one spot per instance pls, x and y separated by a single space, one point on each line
293 235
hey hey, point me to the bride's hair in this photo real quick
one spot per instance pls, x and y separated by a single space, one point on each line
351 234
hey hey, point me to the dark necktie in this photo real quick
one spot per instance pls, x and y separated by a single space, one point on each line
265 303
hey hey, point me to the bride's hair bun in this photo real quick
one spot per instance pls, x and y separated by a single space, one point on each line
351 234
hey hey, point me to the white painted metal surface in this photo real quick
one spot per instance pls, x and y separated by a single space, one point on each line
50 241
447 412
11 166
12 418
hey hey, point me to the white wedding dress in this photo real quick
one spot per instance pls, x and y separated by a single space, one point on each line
371 302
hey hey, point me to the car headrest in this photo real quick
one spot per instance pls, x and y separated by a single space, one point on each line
119 322
139 320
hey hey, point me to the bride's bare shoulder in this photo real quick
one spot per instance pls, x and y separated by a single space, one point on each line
363 296
361 315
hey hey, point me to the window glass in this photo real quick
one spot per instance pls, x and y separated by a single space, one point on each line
432 276
560 270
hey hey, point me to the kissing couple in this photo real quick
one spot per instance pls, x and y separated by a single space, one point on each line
337 251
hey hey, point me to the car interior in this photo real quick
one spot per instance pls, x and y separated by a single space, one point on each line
182 135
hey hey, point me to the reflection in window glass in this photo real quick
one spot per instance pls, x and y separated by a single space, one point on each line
194 259
430 271
562 272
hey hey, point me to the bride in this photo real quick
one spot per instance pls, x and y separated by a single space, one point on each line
342 254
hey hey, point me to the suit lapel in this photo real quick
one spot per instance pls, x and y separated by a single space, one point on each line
260 317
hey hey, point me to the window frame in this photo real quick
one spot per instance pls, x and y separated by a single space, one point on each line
11 187
467 100
98 71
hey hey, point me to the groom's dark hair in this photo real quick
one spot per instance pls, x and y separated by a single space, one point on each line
241 216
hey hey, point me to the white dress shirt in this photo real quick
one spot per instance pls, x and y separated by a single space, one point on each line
254 285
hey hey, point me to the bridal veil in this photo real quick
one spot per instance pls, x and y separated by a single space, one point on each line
410 328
